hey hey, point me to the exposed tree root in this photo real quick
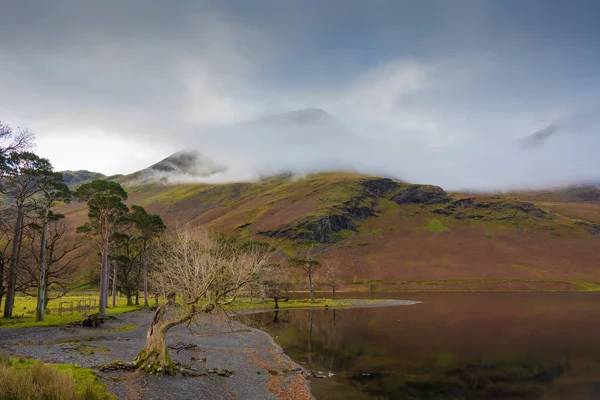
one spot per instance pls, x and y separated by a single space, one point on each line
183 346
118 365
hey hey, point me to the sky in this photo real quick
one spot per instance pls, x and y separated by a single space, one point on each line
441 92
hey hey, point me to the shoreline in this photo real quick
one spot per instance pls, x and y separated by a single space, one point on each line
261 370
219 345
353 303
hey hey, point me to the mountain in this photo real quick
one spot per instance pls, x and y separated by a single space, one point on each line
185 164
273 144
77 178
309 126
577 194
392 234
373 230
80 177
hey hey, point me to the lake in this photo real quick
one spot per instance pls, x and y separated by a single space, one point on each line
451 346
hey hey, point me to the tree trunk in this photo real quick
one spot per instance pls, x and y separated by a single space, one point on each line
114 286
145 261
129 299
2 264
137 298
41 305
333 289
310 286
12 271
154 357
104 277
156 299
46 295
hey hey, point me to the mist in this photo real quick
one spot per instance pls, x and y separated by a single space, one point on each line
468 96
320 143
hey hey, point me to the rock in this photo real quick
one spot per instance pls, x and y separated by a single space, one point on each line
322 229
421 194
380 187
591 228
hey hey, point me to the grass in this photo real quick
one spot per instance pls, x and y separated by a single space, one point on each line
257 304
88 350
24 311
435 225
125 328
25 379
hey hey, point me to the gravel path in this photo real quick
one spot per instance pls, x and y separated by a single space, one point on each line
249 353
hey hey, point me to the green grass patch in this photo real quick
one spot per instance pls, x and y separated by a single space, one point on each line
257 304
587 285
76 340
88 350
435 225
25 379
24 311
125 328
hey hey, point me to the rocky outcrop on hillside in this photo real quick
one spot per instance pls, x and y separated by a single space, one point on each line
326 225
324 229
493 209
421 194
590 227
329 225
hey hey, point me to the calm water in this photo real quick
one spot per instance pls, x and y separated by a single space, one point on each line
452 346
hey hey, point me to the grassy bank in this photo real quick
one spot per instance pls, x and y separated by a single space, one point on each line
258 304
24 311
25 379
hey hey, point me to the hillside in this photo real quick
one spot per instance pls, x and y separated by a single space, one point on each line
577 194
78 178
398 235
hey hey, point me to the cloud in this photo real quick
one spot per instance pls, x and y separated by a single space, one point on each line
435 93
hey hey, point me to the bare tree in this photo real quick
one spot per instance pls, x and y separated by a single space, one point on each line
192 263
329 272
275 284
5 239
12 140
62 257
24 175
309 266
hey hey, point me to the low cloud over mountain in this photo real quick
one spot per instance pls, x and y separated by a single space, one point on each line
312 140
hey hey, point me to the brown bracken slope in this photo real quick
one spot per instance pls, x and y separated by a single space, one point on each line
387 234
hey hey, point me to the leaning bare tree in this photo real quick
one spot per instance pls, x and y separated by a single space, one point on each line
189 265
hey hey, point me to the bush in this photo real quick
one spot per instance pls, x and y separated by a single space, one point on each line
31 380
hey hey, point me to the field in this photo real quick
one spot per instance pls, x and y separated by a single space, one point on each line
24 310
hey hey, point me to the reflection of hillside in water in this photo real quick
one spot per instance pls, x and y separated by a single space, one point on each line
454 345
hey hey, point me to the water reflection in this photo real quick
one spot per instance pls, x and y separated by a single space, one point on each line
452 346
